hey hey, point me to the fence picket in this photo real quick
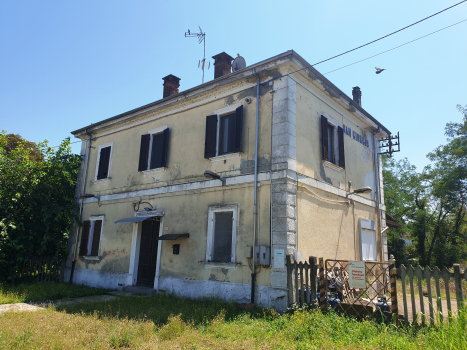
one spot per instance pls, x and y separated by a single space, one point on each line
290 292
403 273
307 283
410 272
418 273
302 292
437 276
297 291
427 274
322 286
447 276
458 284
313 267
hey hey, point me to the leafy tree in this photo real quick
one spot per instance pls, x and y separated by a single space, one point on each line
37 207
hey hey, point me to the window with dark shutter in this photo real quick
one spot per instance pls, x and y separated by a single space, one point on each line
227 133
156 151
104 160
238 129
165 148
96 238
340 137
144 152
324 138
210 142
222 248
83 247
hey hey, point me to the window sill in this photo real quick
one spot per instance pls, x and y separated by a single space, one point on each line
214 265
154 171
89 257
332 165
100 181
225 157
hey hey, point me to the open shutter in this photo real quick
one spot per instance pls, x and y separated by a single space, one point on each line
210 137
324 137
104 159
340 137
144 152
96 238
83 247
156 151
165 148
238 129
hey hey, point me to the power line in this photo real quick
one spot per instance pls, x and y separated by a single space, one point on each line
396 47
371 42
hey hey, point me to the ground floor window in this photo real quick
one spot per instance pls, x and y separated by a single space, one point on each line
222 234
91 236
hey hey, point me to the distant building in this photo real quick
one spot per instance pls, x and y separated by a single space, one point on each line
153 217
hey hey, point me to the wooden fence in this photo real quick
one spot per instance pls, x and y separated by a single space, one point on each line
301 279
39 269
427 300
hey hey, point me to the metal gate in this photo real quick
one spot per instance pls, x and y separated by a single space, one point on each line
372 300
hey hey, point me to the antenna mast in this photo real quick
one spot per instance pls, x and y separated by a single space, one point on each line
201 39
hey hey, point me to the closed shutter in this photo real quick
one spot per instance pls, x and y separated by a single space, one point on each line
165 148
222 247
144 152
104 160
238 129
210 137
96 238
340 137
156 151
324 137
83 247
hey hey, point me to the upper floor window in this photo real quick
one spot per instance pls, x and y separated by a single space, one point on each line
332 142
104 161
154 149
224 133
91 236
222 234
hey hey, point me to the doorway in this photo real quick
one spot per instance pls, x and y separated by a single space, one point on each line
148 253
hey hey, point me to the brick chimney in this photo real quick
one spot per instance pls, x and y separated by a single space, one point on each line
171 85
357 95
222 64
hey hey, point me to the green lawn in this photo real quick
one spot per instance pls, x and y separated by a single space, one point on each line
167 322
21 293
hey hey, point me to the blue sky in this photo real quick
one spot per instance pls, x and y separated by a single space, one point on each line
67 64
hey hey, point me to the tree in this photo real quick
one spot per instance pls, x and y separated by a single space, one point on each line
37 207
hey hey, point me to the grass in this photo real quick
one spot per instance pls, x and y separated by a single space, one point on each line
22 293
167 322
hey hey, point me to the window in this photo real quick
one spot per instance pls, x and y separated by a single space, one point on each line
222 233
368 245
332 142
154 149
224 133
91 236
104 161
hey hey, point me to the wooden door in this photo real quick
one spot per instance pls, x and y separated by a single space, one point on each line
148 253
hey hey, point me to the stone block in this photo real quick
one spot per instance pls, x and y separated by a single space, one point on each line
284 139
283 198
282 116
284 151
284 128
289 187
283 224
283 211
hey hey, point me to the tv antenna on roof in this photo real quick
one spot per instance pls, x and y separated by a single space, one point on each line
201 39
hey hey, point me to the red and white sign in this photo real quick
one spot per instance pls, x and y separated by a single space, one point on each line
357 278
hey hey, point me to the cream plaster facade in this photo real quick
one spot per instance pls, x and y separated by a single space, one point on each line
304 203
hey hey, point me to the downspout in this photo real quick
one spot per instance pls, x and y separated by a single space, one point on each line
73 263
255 208
378 200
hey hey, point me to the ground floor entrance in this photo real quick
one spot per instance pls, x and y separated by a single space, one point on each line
148 253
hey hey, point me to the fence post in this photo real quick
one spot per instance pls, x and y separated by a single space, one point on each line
459 291
313 285
322 286
393 277
290 289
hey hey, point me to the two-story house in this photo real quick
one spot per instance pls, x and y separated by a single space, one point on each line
204 192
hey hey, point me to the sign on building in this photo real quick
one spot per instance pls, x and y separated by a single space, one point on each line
357 278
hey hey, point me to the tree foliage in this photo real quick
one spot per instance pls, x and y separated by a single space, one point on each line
431 204
37 207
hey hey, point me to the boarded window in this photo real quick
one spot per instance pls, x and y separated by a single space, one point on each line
83 248
96 238
90 238
222 247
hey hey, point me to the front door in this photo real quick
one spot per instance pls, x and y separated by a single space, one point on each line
148 253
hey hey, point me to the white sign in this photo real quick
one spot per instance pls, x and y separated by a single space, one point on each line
357 278
279 262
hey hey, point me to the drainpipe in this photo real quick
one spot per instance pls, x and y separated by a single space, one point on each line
378 200
255 208
73 263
